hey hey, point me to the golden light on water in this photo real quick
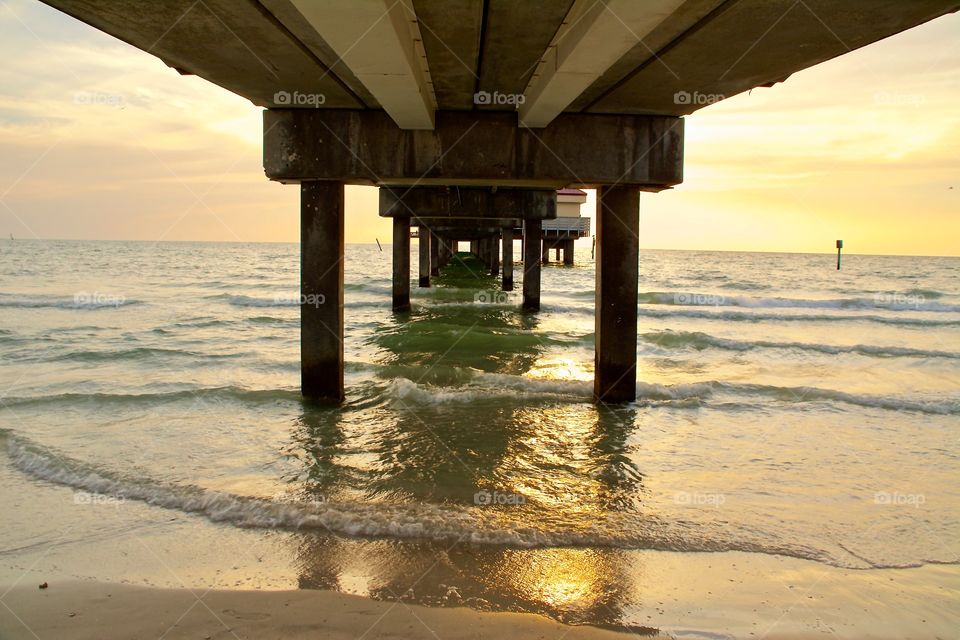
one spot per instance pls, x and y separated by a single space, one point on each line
561 368
559 578
562 446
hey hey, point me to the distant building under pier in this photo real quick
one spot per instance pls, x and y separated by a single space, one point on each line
562 232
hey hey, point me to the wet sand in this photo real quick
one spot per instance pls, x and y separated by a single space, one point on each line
103 611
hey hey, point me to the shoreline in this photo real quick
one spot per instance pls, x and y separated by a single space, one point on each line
101 610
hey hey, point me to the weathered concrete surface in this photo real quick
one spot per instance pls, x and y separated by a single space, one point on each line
238 45
531 264
321 290
451 39
401 264
424 255
472 148
746 44
449 225
618 226
259 49
434 254
468 202
494 254
507 260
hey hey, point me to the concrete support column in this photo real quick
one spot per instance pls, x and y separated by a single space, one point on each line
401 264
532 230
568 252
321 290
546 252
494 255
424 249
475 247
444 252
618 226
434 254
507 278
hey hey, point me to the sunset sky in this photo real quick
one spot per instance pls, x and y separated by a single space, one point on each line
99 140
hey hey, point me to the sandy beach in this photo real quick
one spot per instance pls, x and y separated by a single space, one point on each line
104 611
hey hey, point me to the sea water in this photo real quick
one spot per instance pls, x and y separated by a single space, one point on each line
784 410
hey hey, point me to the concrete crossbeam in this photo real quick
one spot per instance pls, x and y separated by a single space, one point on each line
468 202
473 148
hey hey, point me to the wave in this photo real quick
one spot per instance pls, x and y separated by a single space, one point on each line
447 522
486 387
926 293
210 395
698 340
472 386
144 353
491 387
285 300
893 301
290 300
79 301
741 316
817 394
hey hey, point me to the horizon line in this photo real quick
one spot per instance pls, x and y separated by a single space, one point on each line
846 252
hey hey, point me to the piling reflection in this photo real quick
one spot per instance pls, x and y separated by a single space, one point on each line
463 321
571 464
560 464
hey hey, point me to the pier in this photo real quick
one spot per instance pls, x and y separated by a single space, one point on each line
480 120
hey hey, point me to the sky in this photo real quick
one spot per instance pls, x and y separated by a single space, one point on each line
99 140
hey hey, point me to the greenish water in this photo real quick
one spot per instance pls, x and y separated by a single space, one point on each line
785 411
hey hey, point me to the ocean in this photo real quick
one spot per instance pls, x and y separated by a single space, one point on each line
792 420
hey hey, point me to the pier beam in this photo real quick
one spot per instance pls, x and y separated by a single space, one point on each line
494 255
424 249
532 230
568 252
545 251
434 254
507 278
615 361
321 290
401 264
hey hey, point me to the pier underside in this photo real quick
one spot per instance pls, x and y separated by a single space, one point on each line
476 178
496 103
